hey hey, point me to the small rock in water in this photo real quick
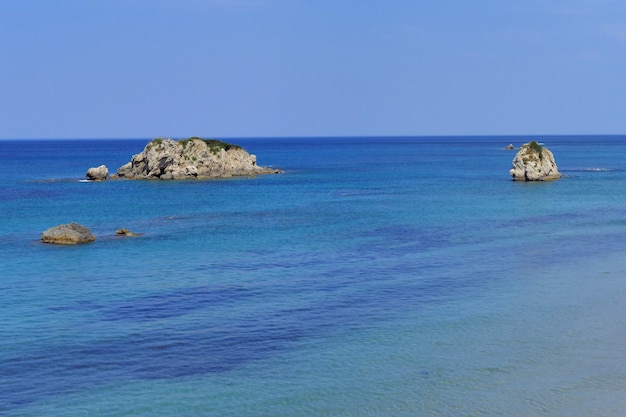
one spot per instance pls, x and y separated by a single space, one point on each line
98 173
68 234
125 232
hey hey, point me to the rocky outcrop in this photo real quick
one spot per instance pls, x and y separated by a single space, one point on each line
191 158
534 162
68 234
510 147
98 173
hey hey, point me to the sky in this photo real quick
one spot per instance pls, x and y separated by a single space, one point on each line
302 68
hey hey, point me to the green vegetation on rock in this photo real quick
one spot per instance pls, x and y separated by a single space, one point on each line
534 146
185 142
214 145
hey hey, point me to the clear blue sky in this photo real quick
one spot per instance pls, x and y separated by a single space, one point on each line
262 68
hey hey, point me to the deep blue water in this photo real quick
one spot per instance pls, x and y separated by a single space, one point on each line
376 276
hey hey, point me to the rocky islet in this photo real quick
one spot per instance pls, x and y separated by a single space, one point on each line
167 159
534 162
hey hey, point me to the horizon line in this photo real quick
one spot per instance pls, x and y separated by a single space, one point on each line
322 137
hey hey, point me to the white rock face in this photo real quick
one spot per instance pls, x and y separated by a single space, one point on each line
191 158
98 174
534 162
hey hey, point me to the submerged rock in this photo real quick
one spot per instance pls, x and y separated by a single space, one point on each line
191 158
126 232
534 162
68 234
98 173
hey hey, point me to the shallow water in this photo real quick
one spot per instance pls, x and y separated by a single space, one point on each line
376 276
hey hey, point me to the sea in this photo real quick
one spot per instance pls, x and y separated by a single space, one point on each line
376 276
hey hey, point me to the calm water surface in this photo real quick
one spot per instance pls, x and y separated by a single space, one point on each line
375 277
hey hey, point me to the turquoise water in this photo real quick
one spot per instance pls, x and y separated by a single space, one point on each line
375 277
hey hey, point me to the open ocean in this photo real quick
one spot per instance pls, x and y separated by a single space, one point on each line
391 276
